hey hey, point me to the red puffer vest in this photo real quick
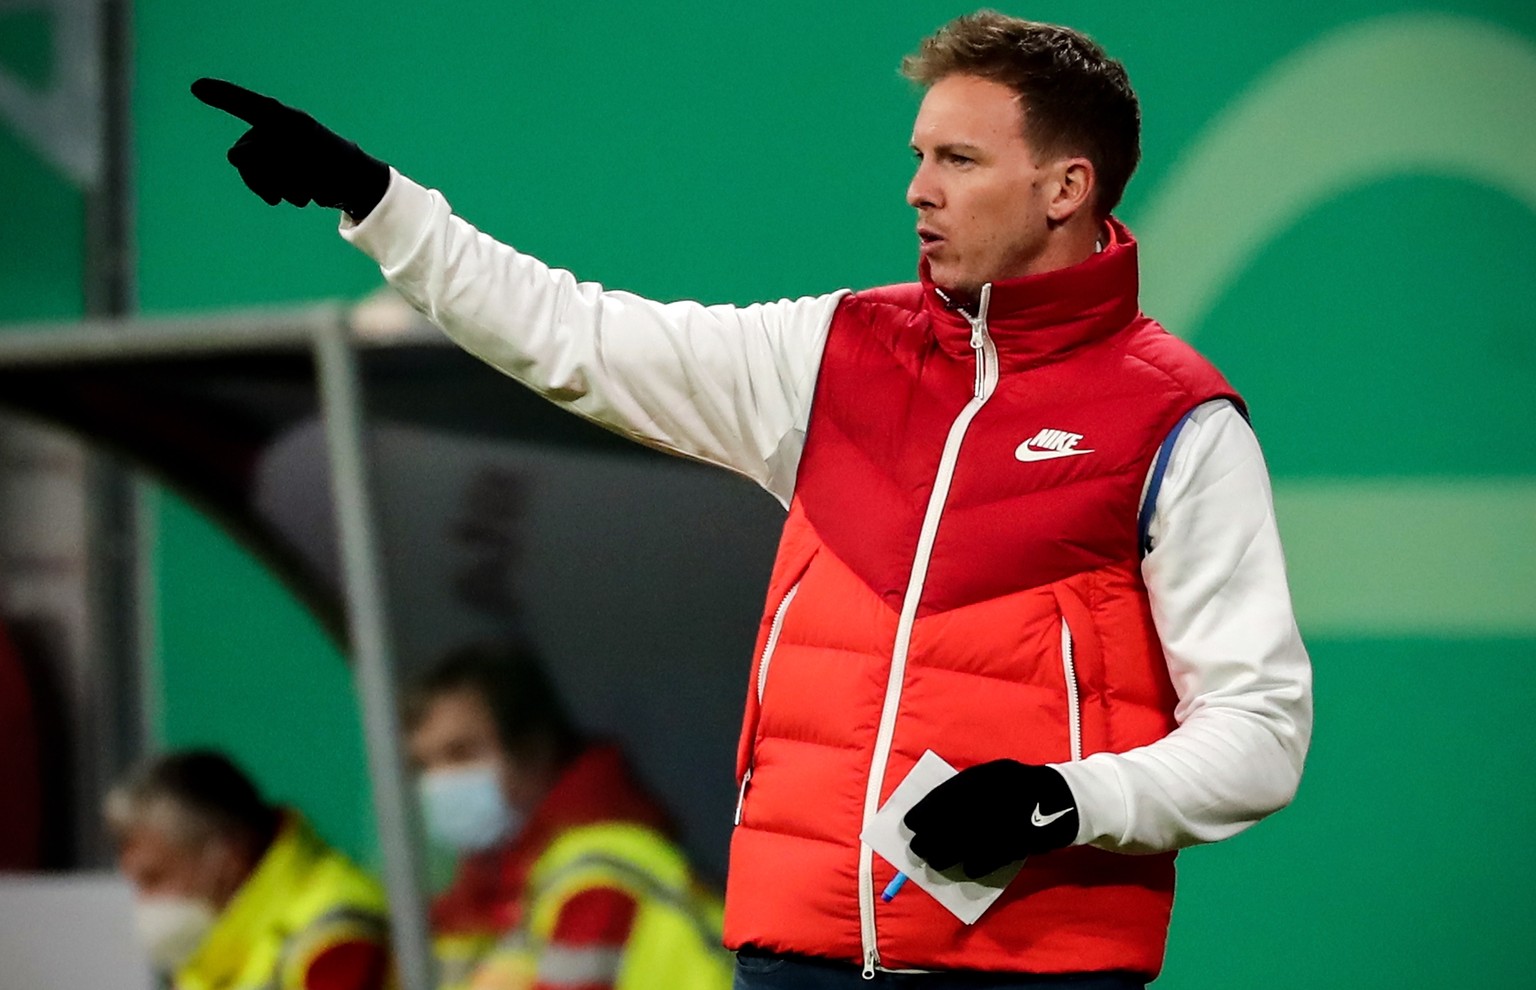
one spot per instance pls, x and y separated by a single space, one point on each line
960 572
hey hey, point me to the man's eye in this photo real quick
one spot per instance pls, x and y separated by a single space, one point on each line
961 160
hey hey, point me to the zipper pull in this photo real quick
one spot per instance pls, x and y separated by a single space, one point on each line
978 344
979 322
869 963
741 798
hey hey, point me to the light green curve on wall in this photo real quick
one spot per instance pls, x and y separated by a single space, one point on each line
1406 94
1410 556
1397 95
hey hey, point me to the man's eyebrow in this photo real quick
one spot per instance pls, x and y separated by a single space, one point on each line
956 148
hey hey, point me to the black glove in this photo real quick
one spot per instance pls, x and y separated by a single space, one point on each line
287 154
992 814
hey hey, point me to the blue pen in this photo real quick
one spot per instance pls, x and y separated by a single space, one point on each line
893 888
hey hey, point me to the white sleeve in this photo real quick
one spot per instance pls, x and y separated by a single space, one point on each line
728 385
1216 582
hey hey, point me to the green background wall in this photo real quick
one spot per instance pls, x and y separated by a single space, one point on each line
1336 204
42 232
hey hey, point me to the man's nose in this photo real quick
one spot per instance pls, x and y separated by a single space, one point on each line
922 192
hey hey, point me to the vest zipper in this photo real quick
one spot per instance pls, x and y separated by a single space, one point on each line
986 383
1074 703
762 682
741 795
773 641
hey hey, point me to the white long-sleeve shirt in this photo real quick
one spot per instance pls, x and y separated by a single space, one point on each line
732 386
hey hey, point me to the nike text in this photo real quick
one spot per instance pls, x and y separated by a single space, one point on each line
1048 444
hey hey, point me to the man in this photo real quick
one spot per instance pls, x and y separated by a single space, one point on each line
1028 529
235 894
567 877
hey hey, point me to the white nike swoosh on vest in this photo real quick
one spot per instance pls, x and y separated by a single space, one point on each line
1028 453
1036 819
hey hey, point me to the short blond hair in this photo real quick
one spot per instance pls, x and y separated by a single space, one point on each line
1076 99
191 796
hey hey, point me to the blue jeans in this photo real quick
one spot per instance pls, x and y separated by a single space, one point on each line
761 971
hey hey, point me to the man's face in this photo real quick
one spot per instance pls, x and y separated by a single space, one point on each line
456 730
159 863
981 194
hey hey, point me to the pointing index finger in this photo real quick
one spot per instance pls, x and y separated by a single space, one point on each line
249 105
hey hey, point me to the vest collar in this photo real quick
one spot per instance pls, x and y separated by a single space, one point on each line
1037 318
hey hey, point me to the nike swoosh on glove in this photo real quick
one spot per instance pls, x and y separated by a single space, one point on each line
288 155
992 814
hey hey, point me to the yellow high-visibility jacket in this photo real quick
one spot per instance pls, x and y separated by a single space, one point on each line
303 898
674 943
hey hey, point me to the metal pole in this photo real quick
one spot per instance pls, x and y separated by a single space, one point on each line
372 655
98 34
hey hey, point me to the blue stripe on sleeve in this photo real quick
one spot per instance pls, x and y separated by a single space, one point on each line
1155 485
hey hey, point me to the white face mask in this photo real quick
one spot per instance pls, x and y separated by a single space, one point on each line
465 809
172 927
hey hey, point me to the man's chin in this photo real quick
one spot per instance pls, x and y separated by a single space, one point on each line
955 285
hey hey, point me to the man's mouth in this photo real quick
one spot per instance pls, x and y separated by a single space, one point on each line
928 240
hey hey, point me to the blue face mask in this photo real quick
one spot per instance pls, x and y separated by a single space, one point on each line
465 809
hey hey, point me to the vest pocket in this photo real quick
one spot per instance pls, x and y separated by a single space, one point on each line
1074 695
1082 668
763 665
773 641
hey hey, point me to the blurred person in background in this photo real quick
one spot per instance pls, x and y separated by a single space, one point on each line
233 893
567 875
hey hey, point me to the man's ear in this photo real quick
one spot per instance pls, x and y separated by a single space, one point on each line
1073 190
225 865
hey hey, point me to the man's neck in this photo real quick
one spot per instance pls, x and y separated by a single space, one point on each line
1071 244
1062 252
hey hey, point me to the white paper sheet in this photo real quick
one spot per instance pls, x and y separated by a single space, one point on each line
886 835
